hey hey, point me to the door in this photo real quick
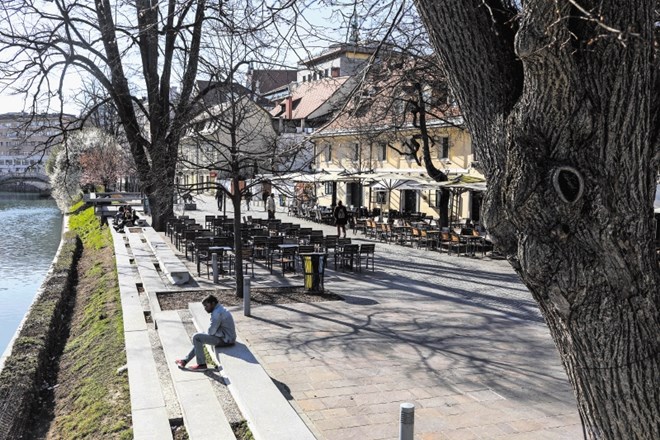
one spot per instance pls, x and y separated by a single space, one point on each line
475 206
409 200
354 194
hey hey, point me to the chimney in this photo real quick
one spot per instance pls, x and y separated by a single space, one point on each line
289 107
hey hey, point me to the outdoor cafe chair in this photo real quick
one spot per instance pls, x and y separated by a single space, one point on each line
444 241
385 232
367 253
360 225
247 256
316 240
415 237
350 256
272 248
208 221
286 258
370 229
223 254
169 225
456 243
330 244
338 248
260 246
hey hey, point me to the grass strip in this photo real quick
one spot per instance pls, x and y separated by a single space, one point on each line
92 399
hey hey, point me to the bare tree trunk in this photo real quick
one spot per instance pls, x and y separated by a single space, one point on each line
160 189
562 120
238 238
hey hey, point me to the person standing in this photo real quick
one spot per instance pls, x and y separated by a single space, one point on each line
264 197
219 196
221 333
270 207
248 198
341 218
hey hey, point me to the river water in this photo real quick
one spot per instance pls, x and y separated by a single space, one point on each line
30 236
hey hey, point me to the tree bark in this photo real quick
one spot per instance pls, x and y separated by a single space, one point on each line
559 106
435 173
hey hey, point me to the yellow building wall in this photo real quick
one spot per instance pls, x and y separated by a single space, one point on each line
343 159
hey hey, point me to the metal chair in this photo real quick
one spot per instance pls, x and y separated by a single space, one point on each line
367 252
247 257
350 255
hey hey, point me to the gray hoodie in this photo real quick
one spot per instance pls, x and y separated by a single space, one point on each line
222 325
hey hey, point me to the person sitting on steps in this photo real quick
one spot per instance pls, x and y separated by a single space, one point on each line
221 333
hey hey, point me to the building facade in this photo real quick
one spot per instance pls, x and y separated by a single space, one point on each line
25 140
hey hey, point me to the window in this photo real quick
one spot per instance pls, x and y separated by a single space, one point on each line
326 73
438 196
381 151
328 188
443 148
356 152
328 153
334 72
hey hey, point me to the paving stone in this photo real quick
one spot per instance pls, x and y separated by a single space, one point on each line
461 337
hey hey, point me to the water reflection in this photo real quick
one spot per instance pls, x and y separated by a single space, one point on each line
31 231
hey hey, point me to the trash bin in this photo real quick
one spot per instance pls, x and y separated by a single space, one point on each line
314 270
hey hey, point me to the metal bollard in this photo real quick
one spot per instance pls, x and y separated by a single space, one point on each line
214 264
246 296
407 421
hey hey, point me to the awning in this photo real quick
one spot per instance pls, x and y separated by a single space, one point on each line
464 182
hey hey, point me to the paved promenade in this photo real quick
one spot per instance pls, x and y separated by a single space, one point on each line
460 338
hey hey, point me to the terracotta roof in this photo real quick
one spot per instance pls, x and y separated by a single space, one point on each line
308 96
383 102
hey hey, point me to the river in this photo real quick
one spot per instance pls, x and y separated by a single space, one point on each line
31 232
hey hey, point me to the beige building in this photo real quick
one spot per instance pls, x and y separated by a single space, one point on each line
233 135
380 133
350 154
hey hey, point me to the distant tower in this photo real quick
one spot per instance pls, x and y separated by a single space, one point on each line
355 32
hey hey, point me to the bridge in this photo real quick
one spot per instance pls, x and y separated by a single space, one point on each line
29 181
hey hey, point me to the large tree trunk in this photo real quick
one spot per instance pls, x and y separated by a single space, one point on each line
238 237
160 188
564 131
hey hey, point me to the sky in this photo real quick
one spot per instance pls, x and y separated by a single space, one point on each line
318 18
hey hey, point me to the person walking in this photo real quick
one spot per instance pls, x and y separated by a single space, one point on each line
270 207
341 218
221 333
264 197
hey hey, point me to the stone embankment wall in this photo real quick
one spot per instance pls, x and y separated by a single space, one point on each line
39 342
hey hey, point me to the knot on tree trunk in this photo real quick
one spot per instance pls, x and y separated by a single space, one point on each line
568 184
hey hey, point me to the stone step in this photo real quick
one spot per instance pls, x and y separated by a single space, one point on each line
148 411
203 416
172 267
268 413
144 260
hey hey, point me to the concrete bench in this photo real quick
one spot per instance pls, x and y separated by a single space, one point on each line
109 197
268 413
203 416
172 267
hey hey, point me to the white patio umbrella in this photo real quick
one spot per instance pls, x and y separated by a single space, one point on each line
391 181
